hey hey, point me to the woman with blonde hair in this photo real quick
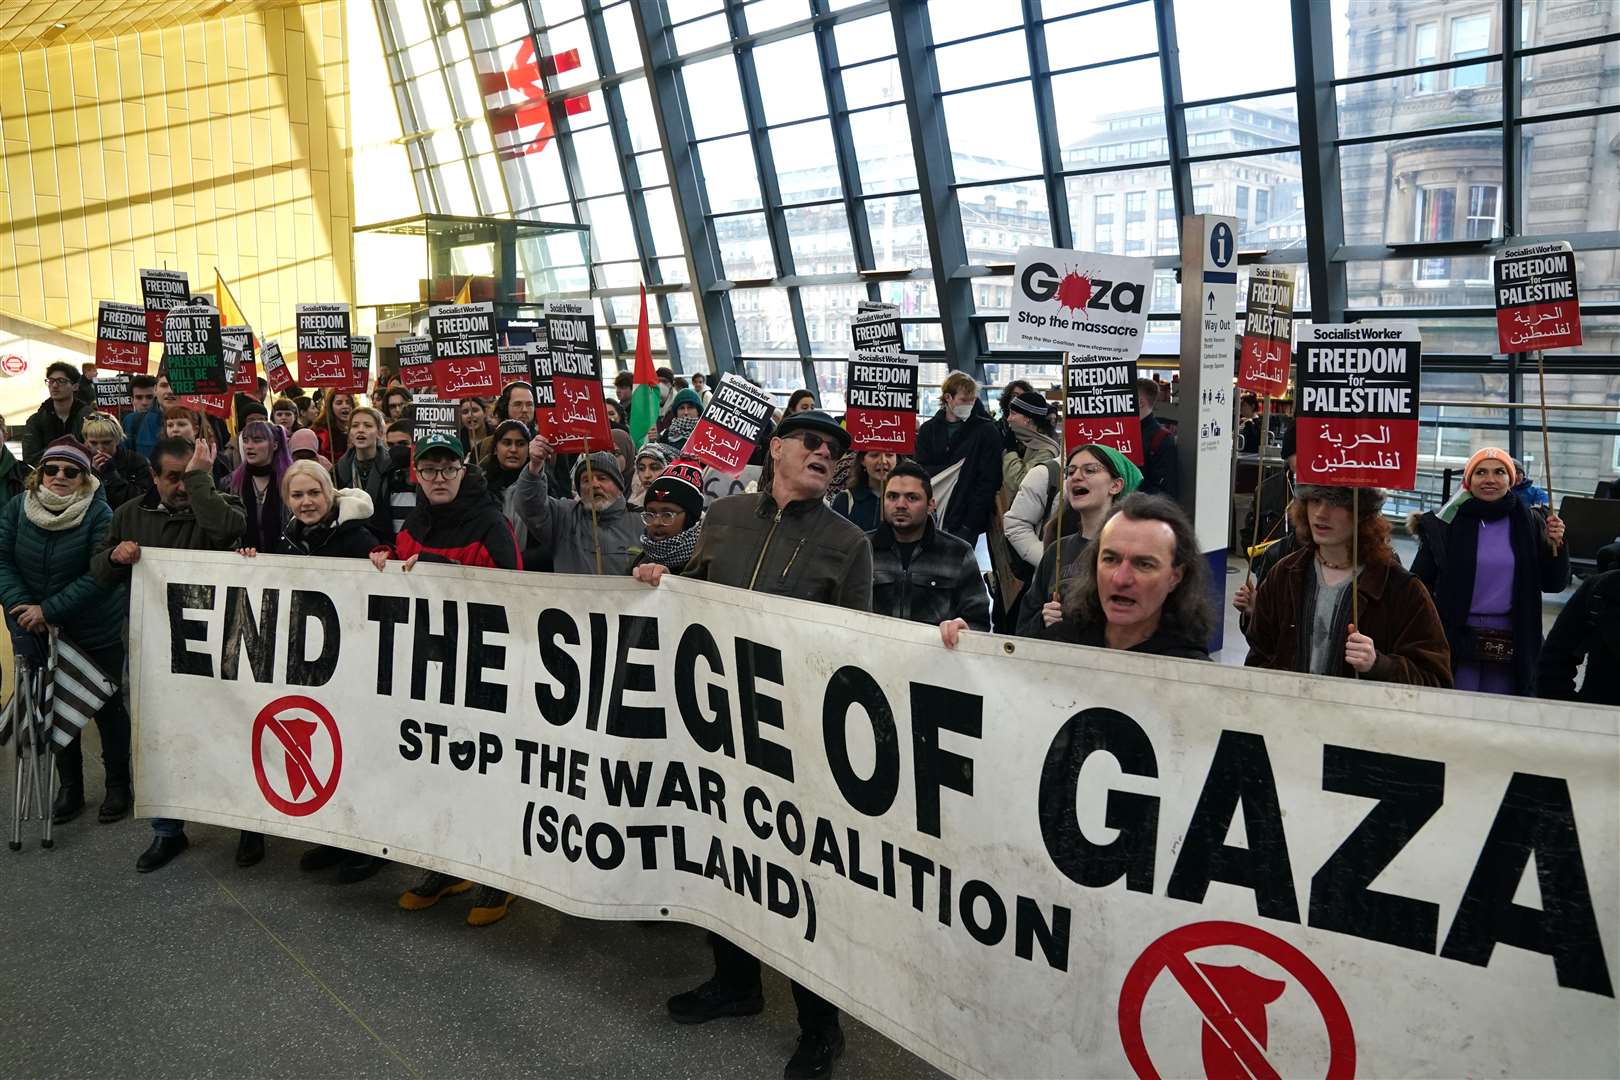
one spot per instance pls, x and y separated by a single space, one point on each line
330 523
123 473
368 466
47 536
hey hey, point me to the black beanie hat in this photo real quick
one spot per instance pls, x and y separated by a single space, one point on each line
681 484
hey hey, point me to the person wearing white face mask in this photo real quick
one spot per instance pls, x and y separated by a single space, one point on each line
961 449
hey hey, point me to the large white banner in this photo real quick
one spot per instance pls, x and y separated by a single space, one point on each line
1019 859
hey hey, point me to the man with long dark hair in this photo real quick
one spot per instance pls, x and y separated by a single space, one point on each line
1141 586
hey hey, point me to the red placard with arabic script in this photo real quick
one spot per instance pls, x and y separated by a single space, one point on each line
1356 405
1537 303
121 341
1099 405
578 415
324 356
415 362
731 426
464 359
275 368
1268 322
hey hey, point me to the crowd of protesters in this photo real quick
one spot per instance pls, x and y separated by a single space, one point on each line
1085 547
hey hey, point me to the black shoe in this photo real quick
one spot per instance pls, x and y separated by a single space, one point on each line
116 805
358 867
163 849
249 849
815 1056
321 858
69 804
713 1000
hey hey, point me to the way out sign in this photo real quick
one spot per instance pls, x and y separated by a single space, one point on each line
1537 303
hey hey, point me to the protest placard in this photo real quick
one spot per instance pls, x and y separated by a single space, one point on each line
415 362
1356 404
876 331
732 425
241 366
515 365
360 349
112 391
121 339
1268 323
325 356
464 359
212 404
1538 304
431 415
193 352
1079 301
162 290
1538 307
1131 866
275 368
1099 405
881 400
578 407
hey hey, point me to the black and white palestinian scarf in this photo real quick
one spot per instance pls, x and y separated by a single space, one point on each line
674 552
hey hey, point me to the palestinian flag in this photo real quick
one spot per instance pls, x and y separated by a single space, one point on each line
644 398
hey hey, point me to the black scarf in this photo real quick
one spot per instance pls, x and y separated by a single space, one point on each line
264 525
1456 594
498 477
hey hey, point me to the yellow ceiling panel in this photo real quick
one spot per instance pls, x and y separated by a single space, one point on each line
39 23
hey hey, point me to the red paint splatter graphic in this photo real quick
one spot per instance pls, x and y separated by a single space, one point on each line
1074 292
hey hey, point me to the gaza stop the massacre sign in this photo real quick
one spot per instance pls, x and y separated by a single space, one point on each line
1082 879
1079 301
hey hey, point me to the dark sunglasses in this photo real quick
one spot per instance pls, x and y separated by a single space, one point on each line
71 472
813 442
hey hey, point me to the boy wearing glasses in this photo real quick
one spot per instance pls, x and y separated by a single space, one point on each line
62 413
789 542
673 518
454 520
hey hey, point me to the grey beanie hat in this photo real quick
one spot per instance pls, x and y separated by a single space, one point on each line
602 462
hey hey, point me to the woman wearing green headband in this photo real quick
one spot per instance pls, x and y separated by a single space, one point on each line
1095 478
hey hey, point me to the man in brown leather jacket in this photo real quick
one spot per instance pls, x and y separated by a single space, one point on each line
785 541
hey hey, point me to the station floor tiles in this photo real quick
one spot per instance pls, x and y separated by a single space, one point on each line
204 969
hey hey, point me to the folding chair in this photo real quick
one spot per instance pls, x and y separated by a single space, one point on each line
26 718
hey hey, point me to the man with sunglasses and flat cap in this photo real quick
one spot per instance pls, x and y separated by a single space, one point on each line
783 540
